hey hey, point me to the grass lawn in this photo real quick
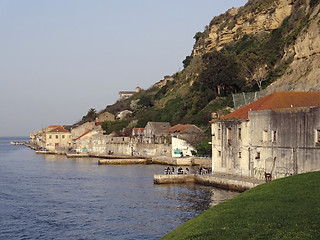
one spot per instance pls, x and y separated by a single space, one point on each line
287 208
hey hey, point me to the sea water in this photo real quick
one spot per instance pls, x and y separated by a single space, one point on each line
53 197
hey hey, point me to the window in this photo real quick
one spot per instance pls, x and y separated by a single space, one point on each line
239 154
57 136
239 133
274 136
318 136
219 153
258 155
62 136
50 136
265 136
229 134
219 133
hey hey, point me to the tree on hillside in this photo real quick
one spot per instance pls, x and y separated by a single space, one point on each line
91 115
220 73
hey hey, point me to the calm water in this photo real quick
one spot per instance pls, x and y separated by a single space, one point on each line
52 197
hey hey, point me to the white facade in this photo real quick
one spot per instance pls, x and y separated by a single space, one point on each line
181 148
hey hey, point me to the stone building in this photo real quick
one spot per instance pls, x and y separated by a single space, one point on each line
278 134
105 116
154 132
127 94
58 138
137 135
84 128
188 132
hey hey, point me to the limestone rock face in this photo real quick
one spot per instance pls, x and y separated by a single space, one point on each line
239 23
303 73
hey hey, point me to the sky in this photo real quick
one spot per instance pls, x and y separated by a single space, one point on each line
59 58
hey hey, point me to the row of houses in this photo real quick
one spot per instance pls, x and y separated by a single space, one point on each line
277 135
156 139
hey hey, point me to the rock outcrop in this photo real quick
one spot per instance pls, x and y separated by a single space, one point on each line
237 22
304 71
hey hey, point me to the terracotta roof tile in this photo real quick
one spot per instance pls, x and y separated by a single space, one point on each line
178 128
58 129
83 134
277 100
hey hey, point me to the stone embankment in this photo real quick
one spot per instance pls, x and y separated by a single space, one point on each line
230 182
122 161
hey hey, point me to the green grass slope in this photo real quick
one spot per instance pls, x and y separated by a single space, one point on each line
287 208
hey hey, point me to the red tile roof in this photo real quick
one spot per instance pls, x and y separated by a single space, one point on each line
277 100
138 129
58 129
83 134
178 128
54 126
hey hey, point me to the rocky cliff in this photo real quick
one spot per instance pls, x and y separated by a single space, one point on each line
253 18
258 17
303 74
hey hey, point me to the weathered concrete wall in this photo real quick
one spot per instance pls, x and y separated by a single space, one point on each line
282 142
102 144
286 141
121 161
237 184
230 141
188 161
165 179
205 162
150 150
226 183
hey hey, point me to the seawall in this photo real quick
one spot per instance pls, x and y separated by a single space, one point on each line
229 182
121 161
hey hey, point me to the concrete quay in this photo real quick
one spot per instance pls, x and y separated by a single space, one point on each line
122 161
229 182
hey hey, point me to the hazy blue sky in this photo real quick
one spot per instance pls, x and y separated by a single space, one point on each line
61 57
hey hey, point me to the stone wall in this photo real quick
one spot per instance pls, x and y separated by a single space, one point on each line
102 145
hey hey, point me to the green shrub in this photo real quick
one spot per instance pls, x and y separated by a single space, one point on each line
114 126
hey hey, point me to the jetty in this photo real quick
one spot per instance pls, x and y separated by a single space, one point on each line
224 181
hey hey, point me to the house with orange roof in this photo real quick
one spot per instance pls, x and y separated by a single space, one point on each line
58 138
277 135
137 135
